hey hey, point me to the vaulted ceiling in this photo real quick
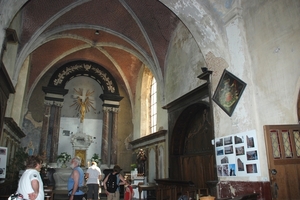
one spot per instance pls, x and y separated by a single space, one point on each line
120 35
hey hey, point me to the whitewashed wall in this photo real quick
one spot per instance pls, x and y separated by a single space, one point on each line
256 44
92 127
183 65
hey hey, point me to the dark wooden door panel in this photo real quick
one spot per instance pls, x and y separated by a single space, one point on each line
198 169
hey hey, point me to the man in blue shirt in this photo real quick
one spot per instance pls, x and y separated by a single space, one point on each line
75 180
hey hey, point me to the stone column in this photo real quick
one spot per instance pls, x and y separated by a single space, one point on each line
114 137
44 133
105 140
54 99
111 103
55 132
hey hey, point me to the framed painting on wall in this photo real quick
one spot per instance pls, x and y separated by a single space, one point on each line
228 92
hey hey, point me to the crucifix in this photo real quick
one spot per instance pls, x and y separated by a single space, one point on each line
83 101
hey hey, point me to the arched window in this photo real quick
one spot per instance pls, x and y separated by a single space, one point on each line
148 103
153 106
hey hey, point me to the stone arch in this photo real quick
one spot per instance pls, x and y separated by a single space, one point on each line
54 98
190 145
195 115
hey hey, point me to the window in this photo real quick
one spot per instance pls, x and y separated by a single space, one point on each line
153 106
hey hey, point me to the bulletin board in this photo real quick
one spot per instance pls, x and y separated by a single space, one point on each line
237 155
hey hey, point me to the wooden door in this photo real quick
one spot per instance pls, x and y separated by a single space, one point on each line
283 151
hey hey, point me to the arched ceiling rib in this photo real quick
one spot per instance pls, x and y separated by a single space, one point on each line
131 34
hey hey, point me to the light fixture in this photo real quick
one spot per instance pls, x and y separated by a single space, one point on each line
96 32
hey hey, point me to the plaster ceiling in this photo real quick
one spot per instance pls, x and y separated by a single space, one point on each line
132 33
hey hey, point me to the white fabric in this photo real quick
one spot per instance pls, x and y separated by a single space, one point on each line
94 173
25 187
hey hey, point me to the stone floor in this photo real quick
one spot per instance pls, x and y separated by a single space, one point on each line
62 195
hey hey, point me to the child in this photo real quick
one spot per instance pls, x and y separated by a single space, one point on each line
129 193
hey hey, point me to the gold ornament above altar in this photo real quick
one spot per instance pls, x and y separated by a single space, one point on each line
83 102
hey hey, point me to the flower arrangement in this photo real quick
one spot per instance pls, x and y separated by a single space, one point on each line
133 166
64 157
96 158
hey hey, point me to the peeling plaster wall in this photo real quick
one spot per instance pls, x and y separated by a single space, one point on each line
8 10
183 65
258 41
273 34
204 20
15 101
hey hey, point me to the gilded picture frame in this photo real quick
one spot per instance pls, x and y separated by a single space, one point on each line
228 92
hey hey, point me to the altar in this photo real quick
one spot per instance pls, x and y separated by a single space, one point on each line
61 176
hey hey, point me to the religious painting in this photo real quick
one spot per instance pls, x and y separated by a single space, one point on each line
228 92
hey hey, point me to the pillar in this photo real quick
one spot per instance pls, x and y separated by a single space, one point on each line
114 135
55 132
54 99
44 132
105 140
109 150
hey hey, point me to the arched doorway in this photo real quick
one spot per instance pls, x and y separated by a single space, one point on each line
191 146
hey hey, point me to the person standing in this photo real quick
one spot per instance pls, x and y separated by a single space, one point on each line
129 193
31 184
75 180
93 175
114 184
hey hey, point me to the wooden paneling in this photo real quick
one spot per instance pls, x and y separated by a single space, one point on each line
171 189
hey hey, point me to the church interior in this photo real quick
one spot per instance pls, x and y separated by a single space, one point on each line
208 91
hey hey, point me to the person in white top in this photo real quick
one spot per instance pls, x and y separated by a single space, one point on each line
31 184
93 175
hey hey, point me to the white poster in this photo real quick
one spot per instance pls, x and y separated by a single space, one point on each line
3 157
237 155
